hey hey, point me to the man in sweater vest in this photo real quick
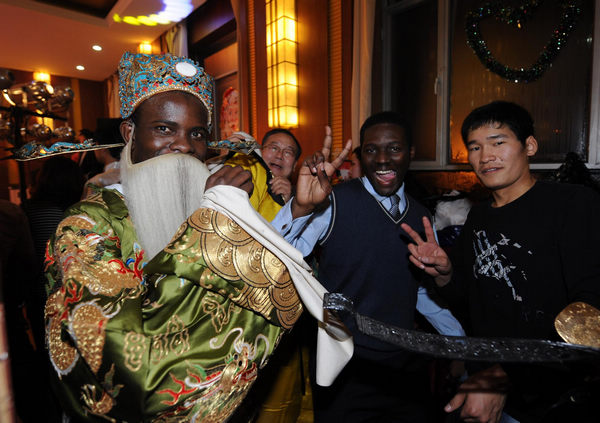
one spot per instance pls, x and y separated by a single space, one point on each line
364 255
522 257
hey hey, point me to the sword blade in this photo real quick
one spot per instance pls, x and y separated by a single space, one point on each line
459 347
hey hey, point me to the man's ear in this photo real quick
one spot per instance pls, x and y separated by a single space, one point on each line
126 128
531 146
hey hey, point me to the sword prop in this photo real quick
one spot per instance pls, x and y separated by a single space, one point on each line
459 347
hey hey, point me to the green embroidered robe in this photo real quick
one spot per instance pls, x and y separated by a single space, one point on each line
177 338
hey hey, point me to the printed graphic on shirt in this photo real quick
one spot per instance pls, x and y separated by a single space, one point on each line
490 262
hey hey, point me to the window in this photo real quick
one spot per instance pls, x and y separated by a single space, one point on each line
433 77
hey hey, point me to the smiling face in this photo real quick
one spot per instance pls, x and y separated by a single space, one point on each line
500 160
279 153
168 122
385 156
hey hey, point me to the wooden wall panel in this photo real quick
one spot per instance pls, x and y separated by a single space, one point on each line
208 25
259 118
313 71
313 98
255 59
340 74
347 40
241 11
93 103
336 98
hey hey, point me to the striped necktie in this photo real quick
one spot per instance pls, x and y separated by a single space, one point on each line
394 210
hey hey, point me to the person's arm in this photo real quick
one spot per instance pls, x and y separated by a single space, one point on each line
297 221
114 322
440 318
303 232
91 287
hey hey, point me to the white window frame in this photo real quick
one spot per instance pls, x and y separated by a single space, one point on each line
441 87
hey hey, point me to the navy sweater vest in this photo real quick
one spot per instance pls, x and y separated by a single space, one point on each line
365 256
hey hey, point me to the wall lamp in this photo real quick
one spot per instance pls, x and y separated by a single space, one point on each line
282 68
41 76
145 48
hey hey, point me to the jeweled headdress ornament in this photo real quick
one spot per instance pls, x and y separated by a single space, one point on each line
34 150
143 75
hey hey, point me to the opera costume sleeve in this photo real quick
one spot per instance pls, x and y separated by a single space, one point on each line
179 338
261 198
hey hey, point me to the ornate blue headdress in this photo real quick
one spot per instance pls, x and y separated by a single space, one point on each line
143 75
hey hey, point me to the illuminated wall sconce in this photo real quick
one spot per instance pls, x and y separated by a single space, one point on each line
282 68
41 76
145 48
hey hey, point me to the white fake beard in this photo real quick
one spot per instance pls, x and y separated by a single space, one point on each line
161 193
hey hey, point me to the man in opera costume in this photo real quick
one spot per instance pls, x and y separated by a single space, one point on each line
168 292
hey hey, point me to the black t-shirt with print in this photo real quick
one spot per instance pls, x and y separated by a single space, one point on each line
519 265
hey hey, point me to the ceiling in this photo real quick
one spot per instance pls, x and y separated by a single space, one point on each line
55 36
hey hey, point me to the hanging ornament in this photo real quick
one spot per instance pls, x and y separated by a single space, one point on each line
517 17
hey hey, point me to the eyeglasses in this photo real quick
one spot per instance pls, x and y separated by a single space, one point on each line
287 153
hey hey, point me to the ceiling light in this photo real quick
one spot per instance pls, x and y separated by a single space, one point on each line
80 67
96 47
146 21
131 20
173 11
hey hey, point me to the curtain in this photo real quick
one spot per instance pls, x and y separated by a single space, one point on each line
244 103
176 39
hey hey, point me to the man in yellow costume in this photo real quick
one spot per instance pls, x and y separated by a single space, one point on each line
149 319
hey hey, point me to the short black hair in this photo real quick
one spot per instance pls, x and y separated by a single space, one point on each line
108 132
393 118
504 113
86 133
286 132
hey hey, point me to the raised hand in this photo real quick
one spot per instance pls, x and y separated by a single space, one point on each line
314 184
428 255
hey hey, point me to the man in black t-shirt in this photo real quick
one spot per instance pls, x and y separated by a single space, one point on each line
521 258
